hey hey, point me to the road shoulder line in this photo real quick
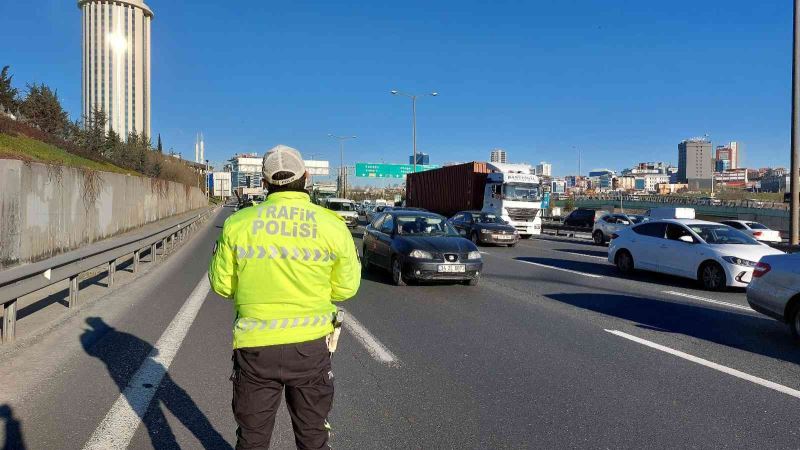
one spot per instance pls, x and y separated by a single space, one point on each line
120 423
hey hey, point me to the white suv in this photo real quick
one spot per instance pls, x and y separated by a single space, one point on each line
345 208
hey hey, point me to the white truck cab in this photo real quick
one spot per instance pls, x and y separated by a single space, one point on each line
513 193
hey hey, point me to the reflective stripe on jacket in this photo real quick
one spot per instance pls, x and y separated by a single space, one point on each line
283 262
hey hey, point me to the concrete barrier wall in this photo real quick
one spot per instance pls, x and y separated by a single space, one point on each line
46 210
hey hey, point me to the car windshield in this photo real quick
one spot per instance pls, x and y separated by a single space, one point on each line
487 218
424 226
341 206
756 226
722 234
524 192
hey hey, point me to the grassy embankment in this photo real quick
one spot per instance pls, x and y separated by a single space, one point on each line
27 149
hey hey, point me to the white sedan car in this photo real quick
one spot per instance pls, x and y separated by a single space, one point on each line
716 255
775 290
758 231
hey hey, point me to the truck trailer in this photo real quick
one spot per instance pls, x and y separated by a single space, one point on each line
510 191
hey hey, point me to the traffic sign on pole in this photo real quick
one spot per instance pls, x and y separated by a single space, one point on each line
369 170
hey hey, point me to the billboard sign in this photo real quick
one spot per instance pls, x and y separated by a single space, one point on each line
317 167
369 170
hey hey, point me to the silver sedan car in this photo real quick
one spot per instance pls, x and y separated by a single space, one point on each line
775 289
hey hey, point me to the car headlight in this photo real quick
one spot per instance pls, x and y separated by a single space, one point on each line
485 231
739 261
420 254
474 255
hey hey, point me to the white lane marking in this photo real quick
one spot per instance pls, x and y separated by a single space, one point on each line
370 342
604 258
485 253
708 300
119 425
712 365
590 275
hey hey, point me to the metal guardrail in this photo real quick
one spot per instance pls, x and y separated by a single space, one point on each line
23 280
689 201
560 227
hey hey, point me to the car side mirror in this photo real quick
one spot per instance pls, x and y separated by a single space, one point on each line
687 239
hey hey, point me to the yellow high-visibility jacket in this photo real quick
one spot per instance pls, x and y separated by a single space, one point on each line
283 263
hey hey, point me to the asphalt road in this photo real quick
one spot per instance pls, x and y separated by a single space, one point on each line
554 349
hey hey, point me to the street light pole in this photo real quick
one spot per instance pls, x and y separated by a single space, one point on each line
342 174
794 205
413 98
414 129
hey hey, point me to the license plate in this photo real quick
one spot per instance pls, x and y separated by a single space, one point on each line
503 237
452 268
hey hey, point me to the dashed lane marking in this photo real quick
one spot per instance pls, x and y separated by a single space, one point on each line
712 365
590 275
708 300
374 347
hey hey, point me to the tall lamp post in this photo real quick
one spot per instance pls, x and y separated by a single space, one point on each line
413 98
342 175
208 184
794 204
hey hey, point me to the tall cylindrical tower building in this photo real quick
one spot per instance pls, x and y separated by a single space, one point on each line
116 62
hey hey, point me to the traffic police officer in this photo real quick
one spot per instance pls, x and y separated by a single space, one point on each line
283 263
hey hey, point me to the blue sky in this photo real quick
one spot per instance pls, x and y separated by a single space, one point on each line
623 80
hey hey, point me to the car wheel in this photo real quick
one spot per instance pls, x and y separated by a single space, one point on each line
794 320
712 276
599 238
365 264
397 273
624 261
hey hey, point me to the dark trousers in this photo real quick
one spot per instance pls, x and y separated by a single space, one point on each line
259 376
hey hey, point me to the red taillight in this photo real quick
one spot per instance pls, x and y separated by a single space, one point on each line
614 236
757 233
761 269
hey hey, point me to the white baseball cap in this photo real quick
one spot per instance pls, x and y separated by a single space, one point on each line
283 159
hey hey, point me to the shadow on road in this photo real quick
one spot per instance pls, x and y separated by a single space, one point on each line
121 353
610 271
13 429
597 253
741 331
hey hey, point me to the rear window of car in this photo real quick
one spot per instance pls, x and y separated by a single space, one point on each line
656 230
756 226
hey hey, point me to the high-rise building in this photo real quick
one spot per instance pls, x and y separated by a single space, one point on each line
544 169
498 156
423 159
245 170
116 63
199 149
736 154
695 164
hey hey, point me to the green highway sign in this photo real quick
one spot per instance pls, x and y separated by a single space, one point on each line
369 170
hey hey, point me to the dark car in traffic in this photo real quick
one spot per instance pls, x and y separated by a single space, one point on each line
581 218
420 246
484 228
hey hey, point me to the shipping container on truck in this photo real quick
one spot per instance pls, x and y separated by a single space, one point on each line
449 189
